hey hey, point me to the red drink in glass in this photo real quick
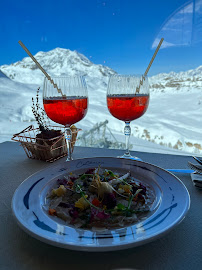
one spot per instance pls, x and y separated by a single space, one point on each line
66 111
127 107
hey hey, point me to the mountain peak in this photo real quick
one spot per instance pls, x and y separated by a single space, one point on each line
58 61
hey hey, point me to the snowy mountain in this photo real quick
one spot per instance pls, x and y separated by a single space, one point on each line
173 119
55 62
178 82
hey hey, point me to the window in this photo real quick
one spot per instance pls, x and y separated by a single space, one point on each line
98 38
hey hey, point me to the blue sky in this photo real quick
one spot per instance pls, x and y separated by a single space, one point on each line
116 33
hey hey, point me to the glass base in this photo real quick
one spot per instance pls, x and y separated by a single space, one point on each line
130 157
69 159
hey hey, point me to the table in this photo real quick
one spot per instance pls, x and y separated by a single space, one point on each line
179 249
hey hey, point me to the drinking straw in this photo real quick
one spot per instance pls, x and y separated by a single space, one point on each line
40 67
150 63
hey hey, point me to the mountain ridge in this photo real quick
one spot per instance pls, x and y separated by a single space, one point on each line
61 61
58 61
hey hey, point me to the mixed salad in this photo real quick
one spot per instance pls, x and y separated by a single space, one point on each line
99 198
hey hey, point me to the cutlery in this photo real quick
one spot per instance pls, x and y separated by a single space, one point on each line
180 170
195 167
199 160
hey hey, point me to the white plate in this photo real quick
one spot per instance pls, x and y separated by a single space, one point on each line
170 207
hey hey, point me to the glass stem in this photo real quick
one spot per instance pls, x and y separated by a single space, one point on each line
127 132
68 137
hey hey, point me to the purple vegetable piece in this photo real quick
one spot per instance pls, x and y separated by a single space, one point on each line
90 171
143 192
73 213
62 181
72 178
102 215
93 211
109 200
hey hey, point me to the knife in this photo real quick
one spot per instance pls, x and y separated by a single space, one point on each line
180 170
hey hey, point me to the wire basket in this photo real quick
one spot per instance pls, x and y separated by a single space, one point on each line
39 148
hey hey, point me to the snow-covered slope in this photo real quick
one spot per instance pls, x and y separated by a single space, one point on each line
2 75
173 119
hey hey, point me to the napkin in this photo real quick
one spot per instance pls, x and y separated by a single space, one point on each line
196 179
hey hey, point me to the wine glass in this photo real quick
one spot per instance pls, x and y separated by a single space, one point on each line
65 102
127 100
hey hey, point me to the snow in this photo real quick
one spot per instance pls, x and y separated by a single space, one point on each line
173 118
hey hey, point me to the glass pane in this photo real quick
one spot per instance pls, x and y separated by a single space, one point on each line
97 39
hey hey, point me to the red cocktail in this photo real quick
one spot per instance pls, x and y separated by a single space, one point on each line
127 100
127 107
66 111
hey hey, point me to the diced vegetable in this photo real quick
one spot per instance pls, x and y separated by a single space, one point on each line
82 203
96 202
52 212
59 191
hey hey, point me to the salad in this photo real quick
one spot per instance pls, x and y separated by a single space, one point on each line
99 198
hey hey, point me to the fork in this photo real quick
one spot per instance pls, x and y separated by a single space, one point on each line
199 160
197 168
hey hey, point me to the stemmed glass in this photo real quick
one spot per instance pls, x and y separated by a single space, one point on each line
66 102
127 100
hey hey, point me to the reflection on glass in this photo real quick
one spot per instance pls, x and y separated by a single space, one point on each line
183 27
